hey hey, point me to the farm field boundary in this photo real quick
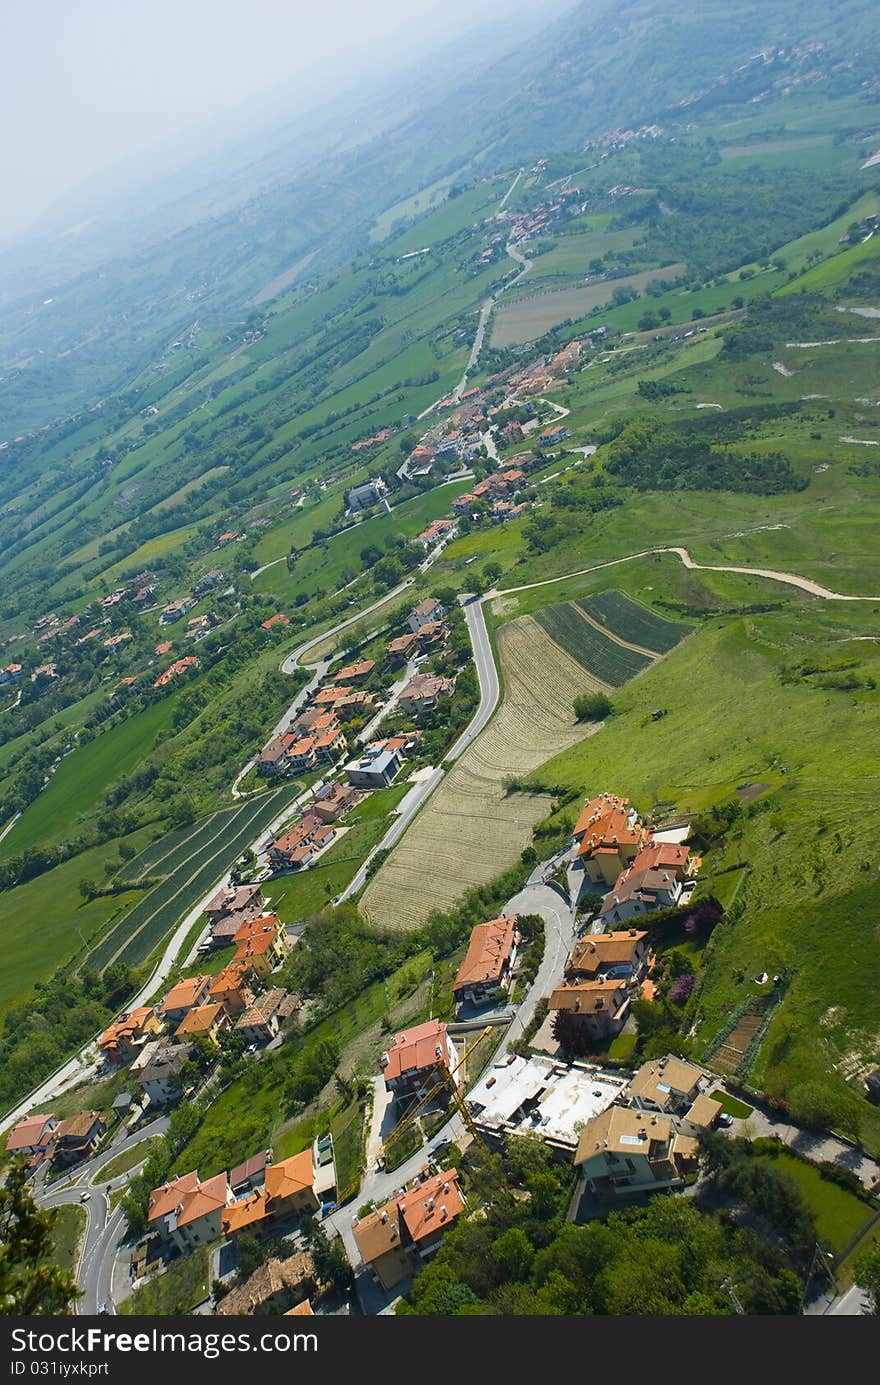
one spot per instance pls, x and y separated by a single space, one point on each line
192 866
470 828
600 654
628 621
526 319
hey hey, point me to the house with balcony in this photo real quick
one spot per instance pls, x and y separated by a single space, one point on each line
187 1211
624 954
596 1008
203 1022
415 1060
395 1240
487 966
182 998
624 1151
425 613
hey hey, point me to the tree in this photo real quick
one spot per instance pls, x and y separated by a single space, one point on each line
331 1261
492 572
868 1276
592 707
29 1283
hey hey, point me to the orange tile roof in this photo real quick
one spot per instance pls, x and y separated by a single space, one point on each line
231 979
355 671
604 949
602 826
290 1176
586 997
165 1198
246 1212
251 927
257 945
188 1197
422 1208
416 1049
186 993
662 856
200 1019
402 643
28 1132
490 946
332 694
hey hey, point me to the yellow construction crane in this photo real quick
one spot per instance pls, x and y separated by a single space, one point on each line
446 1078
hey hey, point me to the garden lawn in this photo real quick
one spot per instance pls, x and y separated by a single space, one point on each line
838 1214
177 1291
128 1159
731 1105
67 1234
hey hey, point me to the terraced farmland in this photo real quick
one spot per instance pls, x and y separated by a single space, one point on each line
609 662
190 865
470 830
630 621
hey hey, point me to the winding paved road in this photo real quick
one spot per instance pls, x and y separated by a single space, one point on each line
104 1230
490 689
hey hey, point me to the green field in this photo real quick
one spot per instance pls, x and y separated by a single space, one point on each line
330 565
67 1234
129 1159
82 778
733 719
33 953
634 623
177 1290
196 867
595 652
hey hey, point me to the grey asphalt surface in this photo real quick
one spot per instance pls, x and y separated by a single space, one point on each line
536 897
104 1232
487 674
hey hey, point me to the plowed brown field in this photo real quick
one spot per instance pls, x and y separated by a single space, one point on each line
470 830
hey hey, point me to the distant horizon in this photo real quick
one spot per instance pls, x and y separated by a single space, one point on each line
90 116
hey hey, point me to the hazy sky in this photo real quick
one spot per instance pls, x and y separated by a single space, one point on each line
88 82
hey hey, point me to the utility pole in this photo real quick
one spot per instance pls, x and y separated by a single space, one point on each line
822 1256
731 1294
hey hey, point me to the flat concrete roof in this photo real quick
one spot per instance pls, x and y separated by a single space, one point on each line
543 1096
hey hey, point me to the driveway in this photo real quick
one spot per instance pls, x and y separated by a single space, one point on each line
820 1148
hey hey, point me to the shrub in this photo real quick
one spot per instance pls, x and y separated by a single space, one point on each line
592 707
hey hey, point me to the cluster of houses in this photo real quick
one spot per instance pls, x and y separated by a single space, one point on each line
157 1042
637 868
42 1138
498 491
176 669
258 1195
316 737
625 1136
50 627
525 225
646 870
